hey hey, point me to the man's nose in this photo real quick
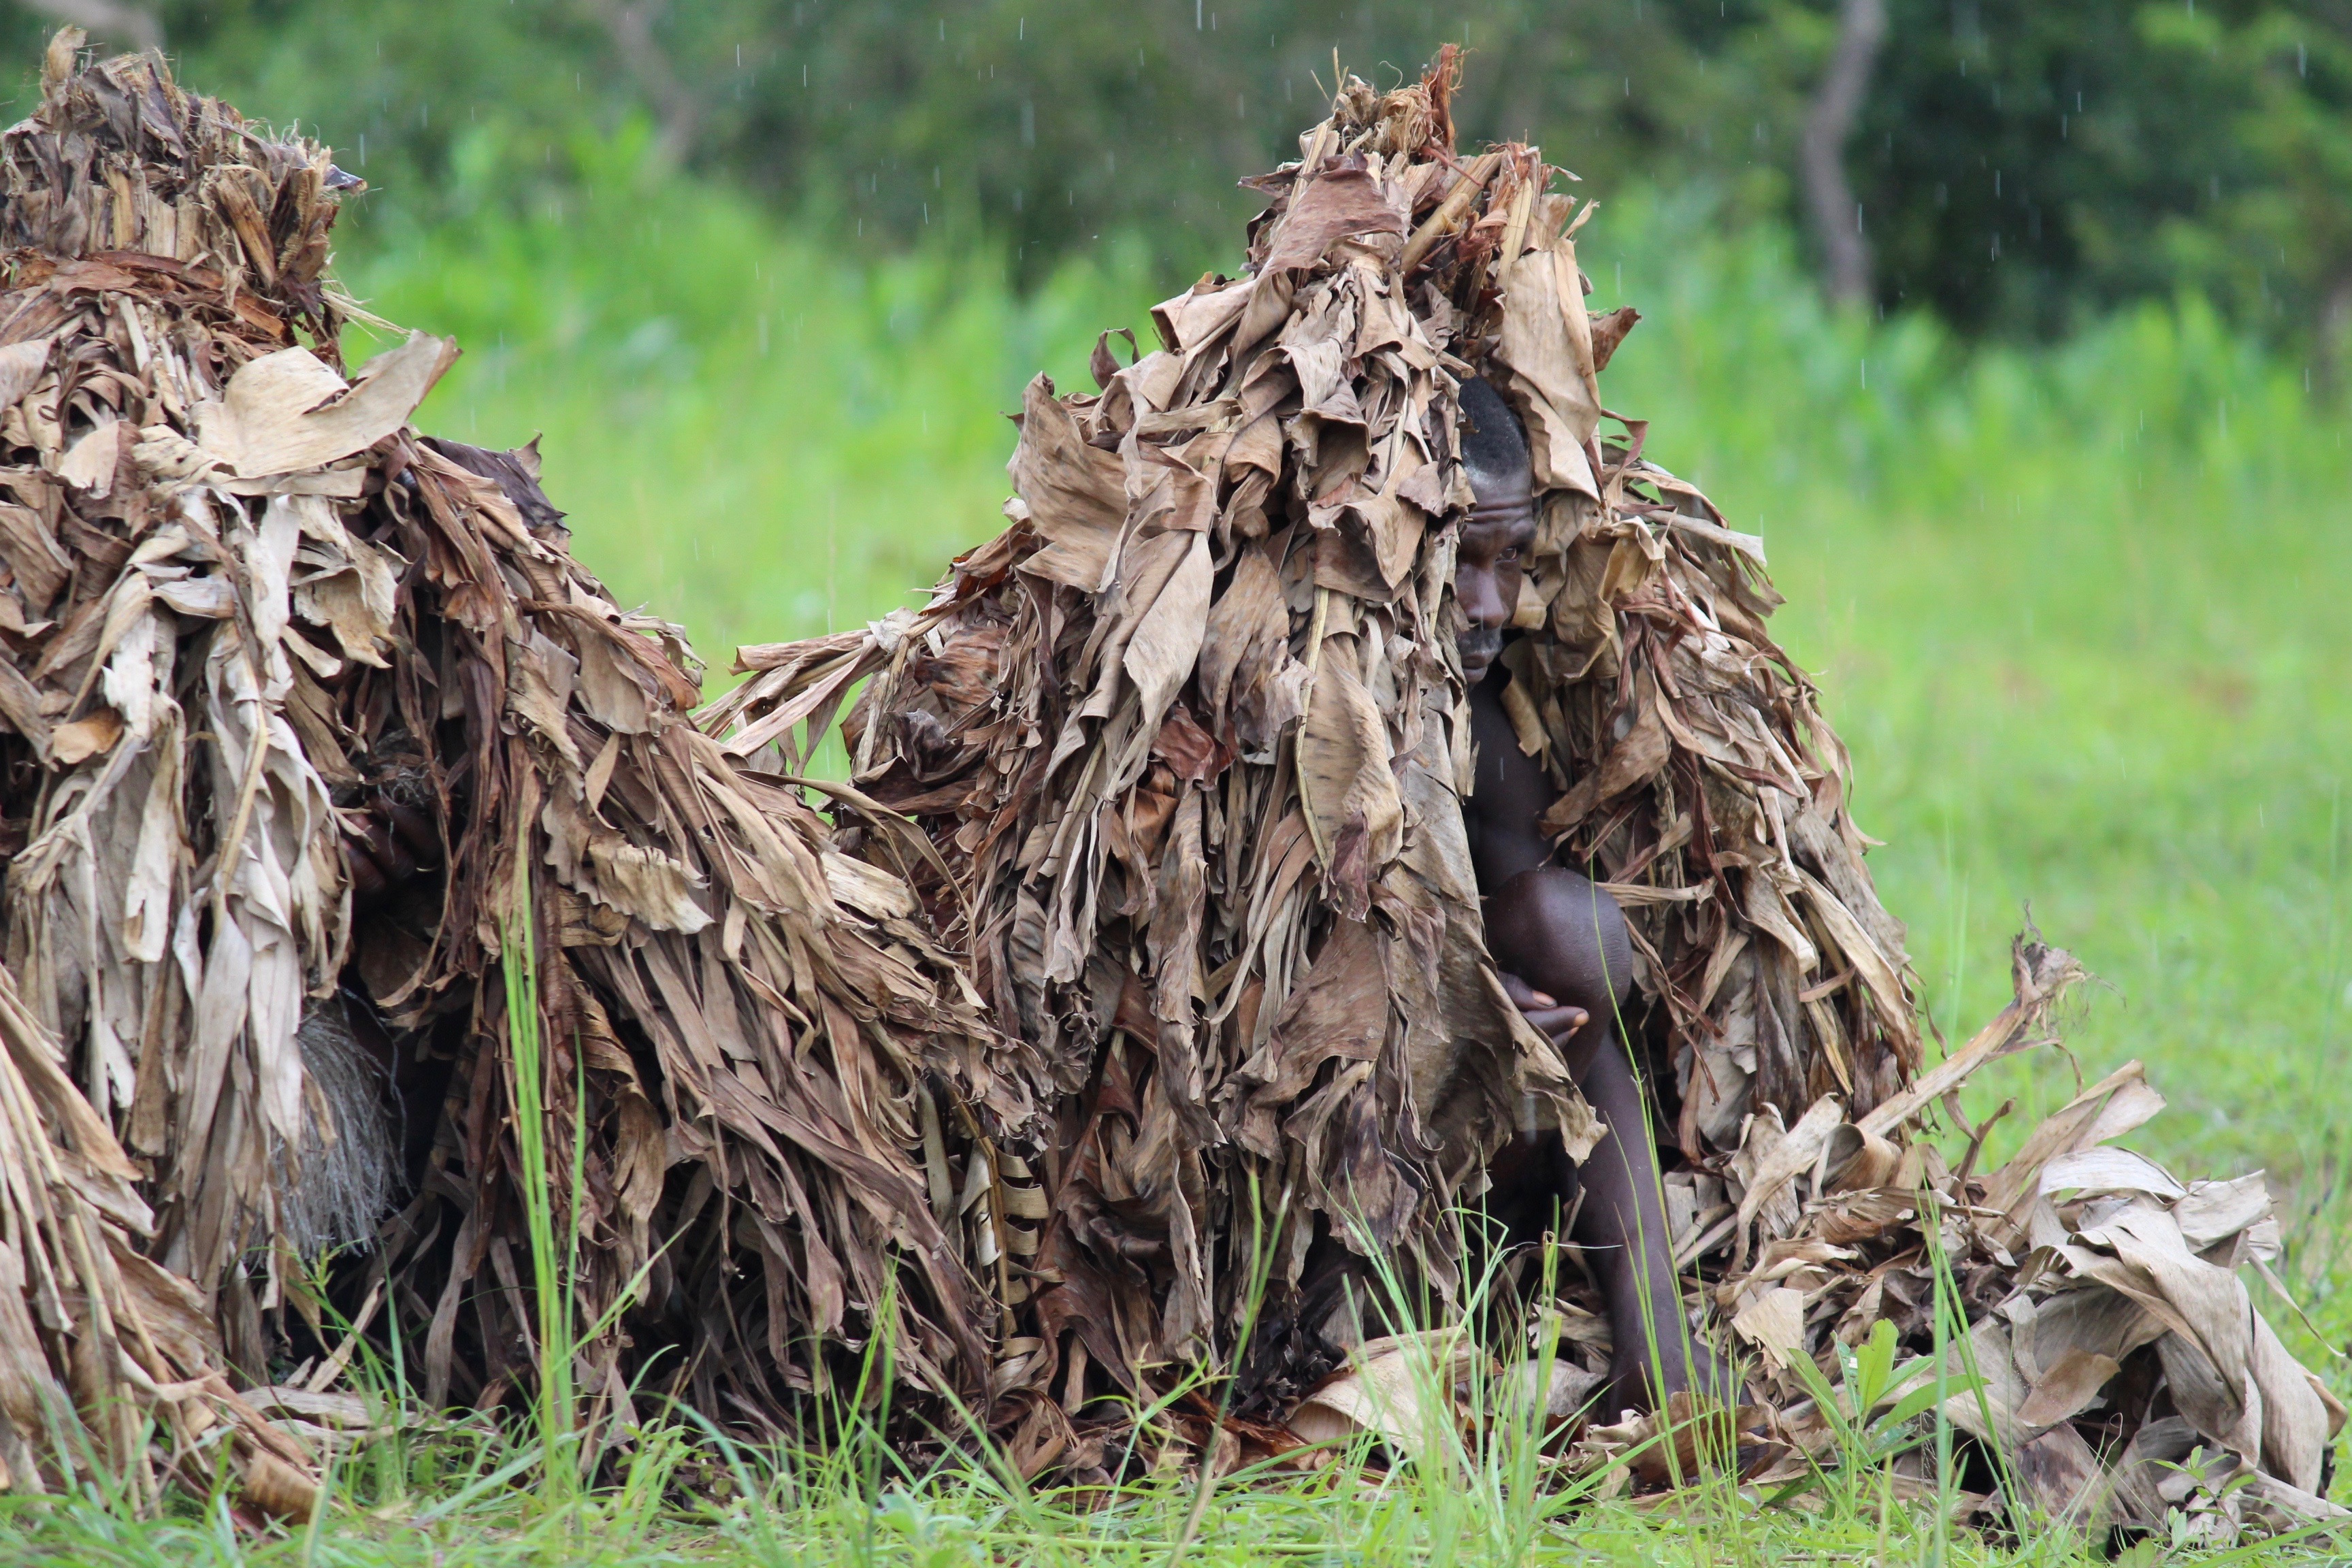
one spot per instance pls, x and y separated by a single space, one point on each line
1482 599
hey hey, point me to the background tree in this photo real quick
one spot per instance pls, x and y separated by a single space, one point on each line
2015 165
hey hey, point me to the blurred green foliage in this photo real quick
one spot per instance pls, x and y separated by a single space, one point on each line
758 435
2024 166
2019 167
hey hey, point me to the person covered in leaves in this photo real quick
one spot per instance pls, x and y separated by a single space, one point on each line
1560 941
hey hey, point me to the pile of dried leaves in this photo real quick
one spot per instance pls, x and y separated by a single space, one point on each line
245 610
1188 739
2115 1368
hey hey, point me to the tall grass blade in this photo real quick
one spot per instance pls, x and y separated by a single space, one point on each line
551 1270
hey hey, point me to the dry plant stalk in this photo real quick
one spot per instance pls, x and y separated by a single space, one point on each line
109 1366
244 604
1189 740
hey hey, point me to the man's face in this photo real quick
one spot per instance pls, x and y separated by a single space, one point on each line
1489 564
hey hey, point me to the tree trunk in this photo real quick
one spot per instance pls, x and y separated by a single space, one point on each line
630 25
1828 124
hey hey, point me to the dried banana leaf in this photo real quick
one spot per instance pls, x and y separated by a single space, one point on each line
247 612
110 1367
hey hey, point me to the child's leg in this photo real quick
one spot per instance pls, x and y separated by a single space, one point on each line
1621 1225
1566 938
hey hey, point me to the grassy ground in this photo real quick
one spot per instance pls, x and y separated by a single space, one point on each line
2076 612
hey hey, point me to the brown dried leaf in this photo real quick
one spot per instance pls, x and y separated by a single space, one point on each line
287 411
1075 495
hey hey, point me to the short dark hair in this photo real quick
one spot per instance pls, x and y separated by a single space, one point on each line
1494 442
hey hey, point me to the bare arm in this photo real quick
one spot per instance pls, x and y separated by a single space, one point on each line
1567 960
1560 941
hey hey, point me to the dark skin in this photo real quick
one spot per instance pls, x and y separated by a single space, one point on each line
1568 964
390 844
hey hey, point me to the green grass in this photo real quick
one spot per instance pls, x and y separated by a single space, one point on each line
2075 611
452 1493
1402 1519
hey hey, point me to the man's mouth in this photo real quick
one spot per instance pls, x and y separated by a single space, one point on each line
1479 647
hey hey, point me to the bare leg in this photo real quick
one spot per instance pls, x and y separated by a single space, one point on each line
1566 938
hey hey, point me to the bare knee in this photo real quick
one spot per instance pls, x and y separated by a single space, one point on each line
1562 934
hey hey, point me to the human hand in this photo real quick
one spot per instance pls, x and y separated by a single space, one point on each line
1554 1020
386 844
